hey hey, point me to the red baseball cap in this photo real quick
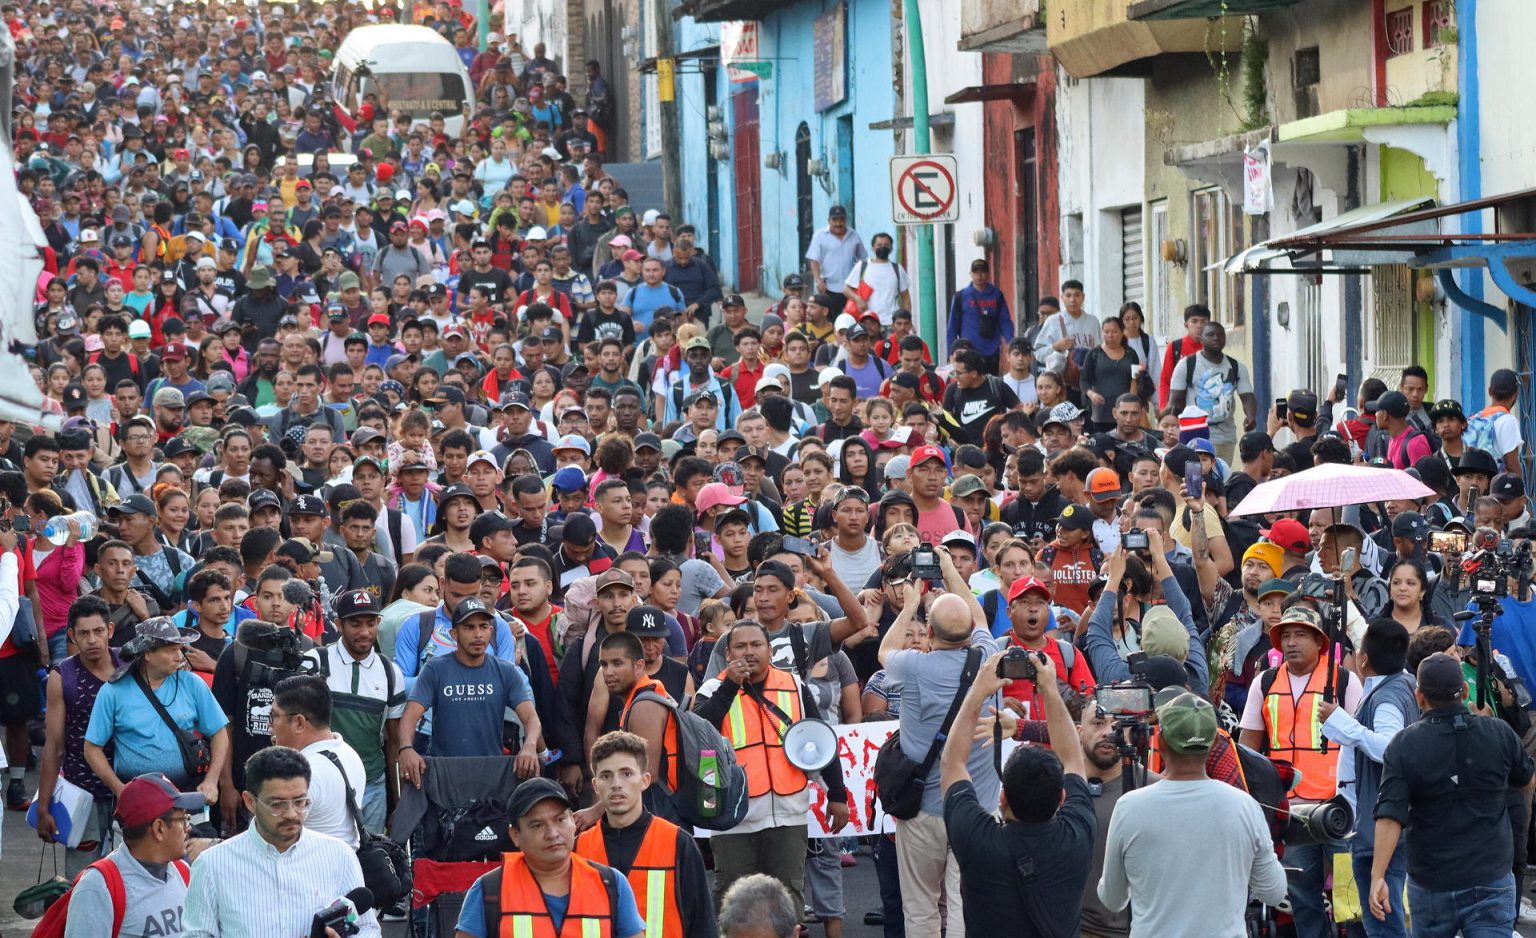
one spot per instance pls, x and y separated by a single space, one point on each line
151 796
380 319
1290 535
173 350
924 453
303 184
1027 584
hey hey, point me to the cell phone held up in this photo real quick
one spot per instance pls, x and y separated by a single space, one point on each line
1194 479
800 545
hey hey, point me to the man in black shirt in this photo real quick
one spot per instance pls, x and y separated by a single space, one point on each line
483 274
1448 779
606 321
1031 870
1301 417
974 396
1256 451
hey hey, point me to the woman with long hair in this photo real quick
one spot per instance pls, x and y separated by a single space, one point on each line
210 355
415 592
166 304
173 512
1408 587
1051 390
1108 371
1142 342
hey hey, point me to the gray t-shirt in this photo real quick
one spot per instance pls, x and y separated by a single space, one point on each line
855 566
928 682
154 901
827 682
1187 855
700 582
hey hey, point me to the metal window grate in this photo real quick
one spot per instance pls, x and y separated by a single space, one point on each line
1399 27
1392 312
1132 257
1439 19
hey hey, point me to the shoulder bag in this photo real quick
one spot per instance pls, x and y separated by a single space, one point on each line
898 780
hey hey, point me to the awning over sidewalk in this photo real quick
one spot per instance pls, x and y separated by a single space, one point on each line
1311 241
1020 93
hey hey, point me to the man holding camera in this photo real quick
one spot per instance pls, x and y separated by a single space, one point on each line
929 683
1029 871
1284 719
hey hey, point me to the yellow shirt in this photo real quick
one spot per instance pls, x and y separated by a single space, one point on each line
551 212
1180 530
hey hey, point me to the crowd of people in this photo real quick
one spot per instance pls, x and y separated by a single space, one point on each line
393 465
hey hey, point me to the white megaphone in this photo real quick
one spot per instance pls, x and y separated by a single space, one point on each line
810 745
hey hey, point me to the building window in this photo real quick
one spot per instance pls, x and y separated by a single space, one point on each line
1217 234
1399 27
1439 20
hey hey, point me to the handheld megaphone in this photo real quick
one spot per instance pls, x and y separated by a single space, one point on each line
810 745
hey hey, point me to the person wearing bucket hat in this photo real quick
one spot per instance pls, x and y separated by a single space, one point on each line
136 708
1284 717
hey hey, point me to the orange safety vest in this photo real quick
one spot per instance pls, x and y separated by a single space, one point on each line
761 753
653 875
162 241
519 909
1294 732
669 757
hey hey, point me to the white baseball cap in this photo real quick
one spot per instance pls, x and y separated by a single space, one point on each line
825 376
844 321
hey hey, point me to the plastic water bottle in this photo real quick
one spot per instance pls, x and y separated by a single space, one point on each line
56 529
709 774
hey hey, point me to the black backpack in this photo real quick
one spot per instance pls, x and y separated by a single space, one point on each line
476 832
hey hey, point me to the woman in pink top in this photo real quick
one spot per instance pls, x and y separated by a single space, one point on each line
58 571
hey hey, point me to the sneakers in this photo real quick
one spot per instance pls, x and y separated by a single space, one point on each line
16 797
1527 911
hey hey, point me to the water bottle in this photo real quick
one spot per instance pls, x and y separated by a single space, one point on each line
709 774
56 529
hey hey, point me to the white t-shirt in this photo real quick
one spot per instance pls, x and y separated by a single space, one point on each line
888 281
1210 382
1023 388
328 812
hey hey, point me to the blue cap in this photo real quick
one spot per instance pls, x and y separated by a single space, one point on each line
569 479
574 441
1202 445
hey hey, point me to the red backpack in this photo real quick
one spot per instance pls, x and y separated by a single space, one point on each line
52 923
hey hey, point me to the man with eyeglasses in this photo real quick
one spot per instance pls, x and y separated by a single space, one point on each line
154 818
235 882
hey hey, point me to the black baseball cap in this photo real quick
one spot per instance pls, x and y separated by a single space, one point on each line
1440 677
1410 524
1447 408
646 622
1503 382
307 505
752 452
1076 518
487 525
133 505
262 498
532 791
647 441
1254 444
1507 487
1393 403
1302 405
355 603
469 608
456 490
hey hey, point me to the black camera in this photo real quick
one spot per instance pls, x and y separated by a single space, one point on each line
1326 822
1136 539
1018 664
925 564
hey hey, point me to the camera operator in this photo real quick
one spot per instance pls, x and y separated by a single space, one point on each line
1283 718
1188 851
1386 706
1029 871
1157 630
1447 778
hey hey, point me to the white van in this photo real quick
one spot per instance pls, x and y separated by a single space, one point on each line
418 70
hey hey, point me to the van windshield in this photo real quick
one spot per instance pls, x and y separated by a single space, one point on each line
420 93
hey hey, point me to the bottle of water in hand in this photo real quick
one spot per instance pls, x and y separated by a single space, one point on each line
56 529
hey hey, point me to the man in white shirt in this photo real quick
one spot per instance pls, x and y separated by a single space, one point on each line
879 283
301 719
273 878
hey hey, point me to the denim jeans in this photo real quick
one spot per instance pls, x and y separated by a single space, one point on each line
1305 888
889 878
1395 925
58 646
375 806
1478 912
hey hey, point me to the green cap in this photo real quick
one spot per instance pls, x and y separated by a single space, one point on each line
1187 724
1270 587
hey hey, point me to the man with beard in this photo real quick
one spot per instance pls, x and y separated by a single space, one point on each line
258 387
168 407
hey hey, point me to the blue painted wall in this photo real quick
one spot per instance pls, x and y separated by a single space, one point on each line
785 101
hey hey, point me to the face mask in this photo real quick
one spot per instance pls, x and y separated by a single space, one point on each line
883 252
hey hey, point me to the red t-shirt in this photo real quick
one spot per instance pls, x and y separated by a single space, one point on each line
26 573
542 630
1079 677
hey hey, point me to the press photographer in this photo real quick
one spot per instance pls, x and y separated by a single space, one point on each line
1029 871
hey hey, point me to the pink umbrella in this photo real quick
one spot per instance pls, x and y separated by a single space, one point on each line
1331 486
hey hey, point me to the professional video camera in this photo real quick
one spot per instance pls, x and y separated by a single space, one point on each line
273 652
1130 705
1322 822
1487 569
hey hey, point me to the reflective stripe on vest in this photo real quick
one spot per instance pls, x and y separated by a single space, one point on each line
760 748
653 875
1295 733
525 914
